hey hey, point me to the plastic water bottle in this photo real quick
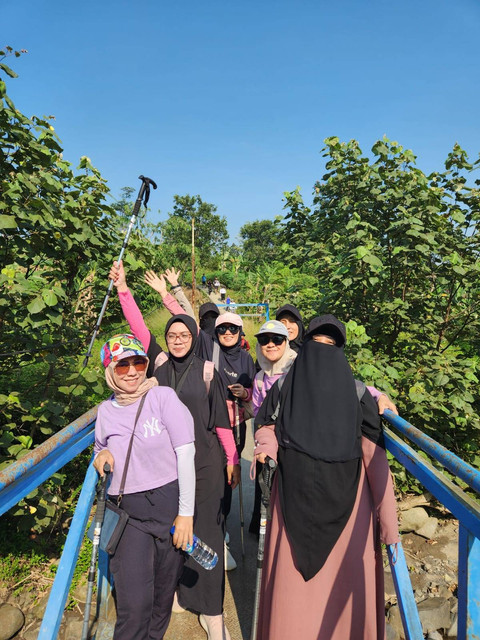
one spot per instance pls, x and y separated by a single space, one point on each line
200 552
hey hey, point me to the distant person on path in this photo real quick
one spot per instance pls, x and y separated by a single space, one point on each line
204 280
332 499
209 287
216 283
223 293
159 487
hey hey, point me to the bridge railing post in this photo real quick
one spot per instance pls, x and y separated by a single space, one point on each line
63 579
468 585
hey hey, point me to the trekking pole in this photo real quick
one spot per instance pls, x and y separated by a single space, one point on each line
144 193
265 482
240 485
99 515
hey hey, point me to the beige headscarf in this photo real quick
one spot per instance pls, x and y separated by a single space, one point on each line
281 366
125 398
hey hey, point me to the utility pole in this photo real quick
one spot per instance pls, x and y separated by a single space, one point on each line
193 263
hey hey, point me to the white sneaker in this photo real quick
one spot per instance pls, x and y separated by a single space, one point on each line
215 627
230 563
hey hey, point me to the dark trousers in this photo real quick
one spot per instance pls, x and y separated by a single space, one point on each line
146 566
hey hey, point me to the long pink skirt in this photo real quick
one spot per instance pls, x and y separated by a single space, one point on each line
344 601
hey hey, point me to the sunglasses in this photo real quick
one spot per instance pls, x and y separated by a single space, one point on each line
123 367
223 328
264 339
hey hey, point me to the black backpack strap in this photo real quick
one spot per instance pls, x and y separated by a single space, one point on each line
277 408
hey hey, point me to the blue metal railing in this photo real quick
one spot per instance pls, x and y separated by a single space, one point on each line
264 306
466 510
22 477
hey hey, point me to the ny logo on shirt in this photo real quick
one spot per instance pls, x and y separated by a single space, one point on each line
151 427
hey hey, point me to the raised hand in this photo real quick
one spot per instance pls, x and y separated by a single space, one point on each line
172 276
156 282
117 274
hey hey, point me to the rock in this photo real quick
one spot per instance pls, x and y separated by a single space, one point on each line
429 529
73 629
389 588
32 633
414 501
434 614
11 621
391 633
80 592
452 632
38 611
395 622
413 519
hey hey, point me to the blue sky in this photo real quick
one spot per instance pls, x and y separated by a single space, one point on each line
233 100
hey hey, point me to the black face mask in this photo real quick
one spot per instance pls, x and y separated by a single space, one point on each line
207 322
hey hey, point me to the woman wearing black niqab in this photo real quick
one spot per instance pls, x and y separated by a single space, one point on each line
322 544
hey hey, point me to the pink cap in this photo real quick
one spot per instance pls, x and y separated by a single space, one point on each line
229 318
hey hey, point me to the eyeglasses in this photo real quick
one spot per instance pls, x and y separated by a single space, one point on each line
264 339
223 328
183 337
123 367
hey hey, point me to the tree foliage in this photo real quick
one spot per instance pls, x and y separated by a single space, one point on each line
211 233
396 254
261 242
58 238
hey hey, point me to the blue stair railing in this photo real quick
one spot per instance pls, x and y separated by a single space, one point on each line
23 476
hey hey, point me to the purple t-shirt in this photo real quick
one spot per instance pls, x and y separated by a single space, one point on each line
164 424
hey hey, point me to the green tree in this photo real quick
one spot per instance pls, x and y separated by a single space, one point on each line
396 253
211 233
261 241
58 238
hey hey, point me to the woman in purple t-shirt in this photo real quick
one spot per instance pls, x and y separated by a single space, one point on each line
159 487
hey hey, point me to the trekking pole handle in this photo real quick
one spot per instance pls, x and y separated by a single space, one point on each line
146 182
100 513
269 467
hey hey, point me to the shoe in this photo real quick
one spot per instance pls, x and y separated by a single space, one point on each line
230 563
176 606
214 627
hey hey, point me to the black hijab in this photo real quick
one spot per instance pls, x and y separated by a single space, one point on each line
319 430
179 365
289 308
208 407
235 365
